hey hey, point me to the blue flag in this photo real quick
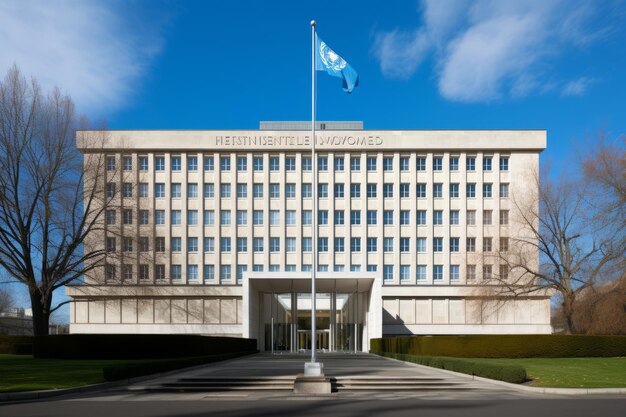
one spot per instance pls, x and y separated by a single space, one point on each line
327 60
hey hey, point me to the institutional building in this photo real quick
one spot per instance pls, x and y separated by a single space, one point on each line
210 232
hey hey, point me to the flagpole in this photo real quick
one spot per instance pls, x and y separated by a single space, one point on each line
314 191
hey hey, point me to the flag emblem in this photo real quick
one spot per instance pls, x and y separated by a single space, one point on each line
330 58
329 61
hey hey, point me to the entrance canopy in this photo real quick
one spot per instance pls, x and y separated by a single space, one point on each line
301 281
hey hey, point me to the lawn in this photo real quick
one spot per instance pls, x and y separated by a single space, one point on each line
24 373
570 372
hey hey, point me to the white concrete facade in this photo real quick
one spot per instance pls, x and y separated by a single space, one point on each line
202 217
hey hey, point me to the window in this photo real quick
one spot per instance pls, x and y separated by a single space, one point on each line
192 244
470 163
225 218
144 217
487 272
504 244
372 244
504 217
257 217
340 244
307 217
421 245
339 163
388 163
143 189
405 244
225 272
307 164
322 163
143 163
274 244
110 163
257 163
487 163
110 217
110 189
127 217
176 244
307 190
404 217
290 163
159 217
209 272
322 190
454 272
159 163
307 244
454 190
355 217
242 244
322 244
454 217
387 272
225 190
470 272
504 271
339 217
420 272
355 164
242 164
404 163
176 190
274 218
176 164
257 244
454 163
437 244
274 164
159 190
372 268
110 272
504 190
437 190
487 244
404 190
242 190
338 191
470 190
371 217
437 163
176 217
487 188
290 244
192 190
322 268
209 163
438 217
192 272
225 163
454 244
127 189
487 214
437 272
242 217
387 217
110 244
192 217
471 244
209 244
355 268
192 163
127 271
388 244
388 190
225 244
355 190
371 163
421 163
504 163
471 217
144 272
355 244
274 190
405 272
322 217
421 190
421 217
209 217
159 272
209 191
127 163
371 190
257 190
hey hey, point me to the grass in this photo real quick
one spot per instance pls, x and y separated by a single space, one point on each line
570 372
24 373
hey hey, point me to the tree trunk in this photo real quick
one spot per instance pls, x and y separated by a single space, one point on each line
41 313
568 314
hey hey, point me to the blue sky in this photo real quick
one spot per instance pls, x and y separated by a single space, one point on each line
559 65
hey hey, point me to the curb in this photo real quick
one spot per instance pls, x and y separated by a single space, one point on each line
23 396
524 388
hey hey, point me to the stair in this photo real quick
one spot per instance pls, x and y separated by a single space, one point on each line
372 383
204 384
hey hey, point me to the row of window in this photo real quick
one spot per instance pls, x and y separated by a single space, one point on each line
241 190
225 271
290 163
339 217
258 244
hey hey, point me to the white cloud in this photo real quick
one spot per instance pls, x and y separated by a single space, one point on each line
577 87
86 48
488 49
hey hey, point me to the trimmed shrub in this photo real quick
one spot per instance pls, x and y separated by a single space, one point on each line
504 346
9 344
137 346
117 372
508 373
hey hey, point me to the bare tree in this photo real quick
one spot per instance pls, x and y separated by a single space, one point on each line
49 200
6 300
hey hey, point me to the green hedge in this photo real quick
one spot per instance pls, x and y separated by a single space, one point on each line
504 346
137 346
508 373
117 372
16 345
